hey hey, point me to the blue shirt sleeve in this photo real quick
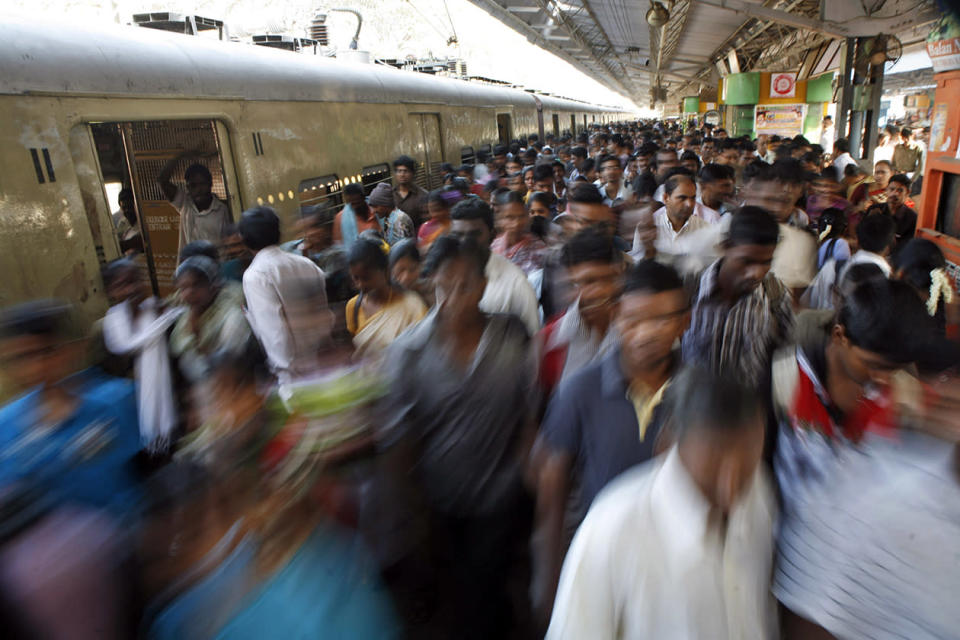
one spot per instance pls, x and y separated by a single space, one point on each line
561 428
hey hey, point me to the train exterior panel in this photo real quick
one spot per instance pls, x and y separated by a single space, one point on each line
99 107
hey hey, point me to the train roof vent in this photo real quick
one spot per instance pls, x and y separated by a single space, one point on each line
179 23
287 43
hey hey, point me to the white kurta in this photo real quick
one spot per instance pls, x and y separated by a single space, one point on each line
646 564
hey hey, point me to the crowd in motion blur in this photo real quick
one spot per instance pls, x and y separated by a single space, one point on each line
642 382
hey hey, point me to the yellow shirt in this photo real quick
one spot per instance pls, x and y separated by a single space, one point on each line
644 402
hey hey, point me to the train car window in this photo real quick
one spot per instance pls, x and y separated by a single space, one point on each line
134 154
556 125
323 191
573 124
467 155
374 175
948 221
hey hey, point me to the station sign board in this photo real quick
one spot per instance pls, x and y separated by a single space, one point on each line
783 85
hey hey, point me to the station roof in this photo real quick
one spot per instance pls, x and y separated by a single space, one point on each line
612 41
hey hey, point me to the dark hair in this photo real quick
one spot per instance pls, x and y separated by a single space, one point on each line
654 162
900 178
473 209
589 245
198 170
405 161
48 318
460 185
647 149
833 218
200 248
645 185
507 196
369 254
788 171
690 155
829 173
125 193
676 179
259 227
447 248
906 132
713 172
852 169
876 233
584 193
886 317
579 152
500 150
353 189
605 159
886 162
406 248
650 276
917 258
752 225
543 171
698 398
113 270
842 145
758 171
588 165
856 274
726 144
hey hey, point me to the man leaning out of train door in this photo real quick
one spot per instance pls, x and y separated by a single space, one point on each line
203 216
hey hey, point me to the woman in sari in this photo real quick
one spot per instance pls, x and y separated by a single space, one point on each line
214 322
382 310
439 203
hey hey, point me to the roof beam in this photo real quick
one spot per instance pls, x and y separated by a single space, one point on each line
859 27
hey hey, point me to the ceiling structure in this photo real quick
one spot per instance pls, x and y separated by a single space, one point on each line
612 41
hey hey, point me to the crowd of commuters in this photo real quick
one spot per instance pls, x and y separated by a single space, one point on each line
641 382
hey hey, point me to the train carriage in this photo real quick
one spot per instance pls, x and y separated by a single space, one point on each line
85 111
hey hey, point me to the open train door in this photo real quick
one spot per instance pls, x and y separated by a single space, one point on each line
145 148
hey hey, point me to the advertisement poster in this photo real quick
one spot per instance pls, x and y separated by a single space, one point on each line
943 45
779 119
783 85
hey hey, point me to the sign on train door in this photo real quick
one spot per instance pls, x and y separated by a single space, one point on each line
430 148
146 147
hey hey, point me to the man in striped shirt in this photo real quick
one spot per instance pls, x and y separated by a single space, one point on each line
741 311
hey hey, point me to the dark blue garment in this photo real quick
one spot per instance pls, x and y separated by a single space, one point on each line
88 458
591 419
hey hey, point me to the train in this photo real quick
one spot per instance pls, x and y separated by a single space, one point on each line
87 110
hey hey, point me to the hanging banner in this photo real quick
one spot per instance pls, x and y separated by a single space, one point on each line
783 85
943 45
779 119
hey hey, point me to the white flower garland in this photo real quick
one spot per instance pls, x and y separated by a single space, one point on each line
939 286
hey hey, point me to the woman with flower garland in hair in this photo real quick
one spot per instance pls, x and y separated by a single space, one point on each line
921 264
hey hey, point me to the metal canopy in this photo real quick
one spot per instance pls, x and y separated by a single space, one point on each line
611 41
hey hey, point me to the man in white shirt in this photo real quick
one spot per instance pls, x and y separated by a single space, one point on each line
508 289
889 138
680 547
841 155
286 299
614 190
827 133
674 222
203 216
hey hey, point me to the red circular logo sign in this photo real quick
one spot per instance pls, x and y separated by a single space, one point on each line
783 83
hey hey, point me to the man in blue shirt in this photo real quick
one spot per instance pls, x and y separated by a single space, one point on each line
605 418
71 438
